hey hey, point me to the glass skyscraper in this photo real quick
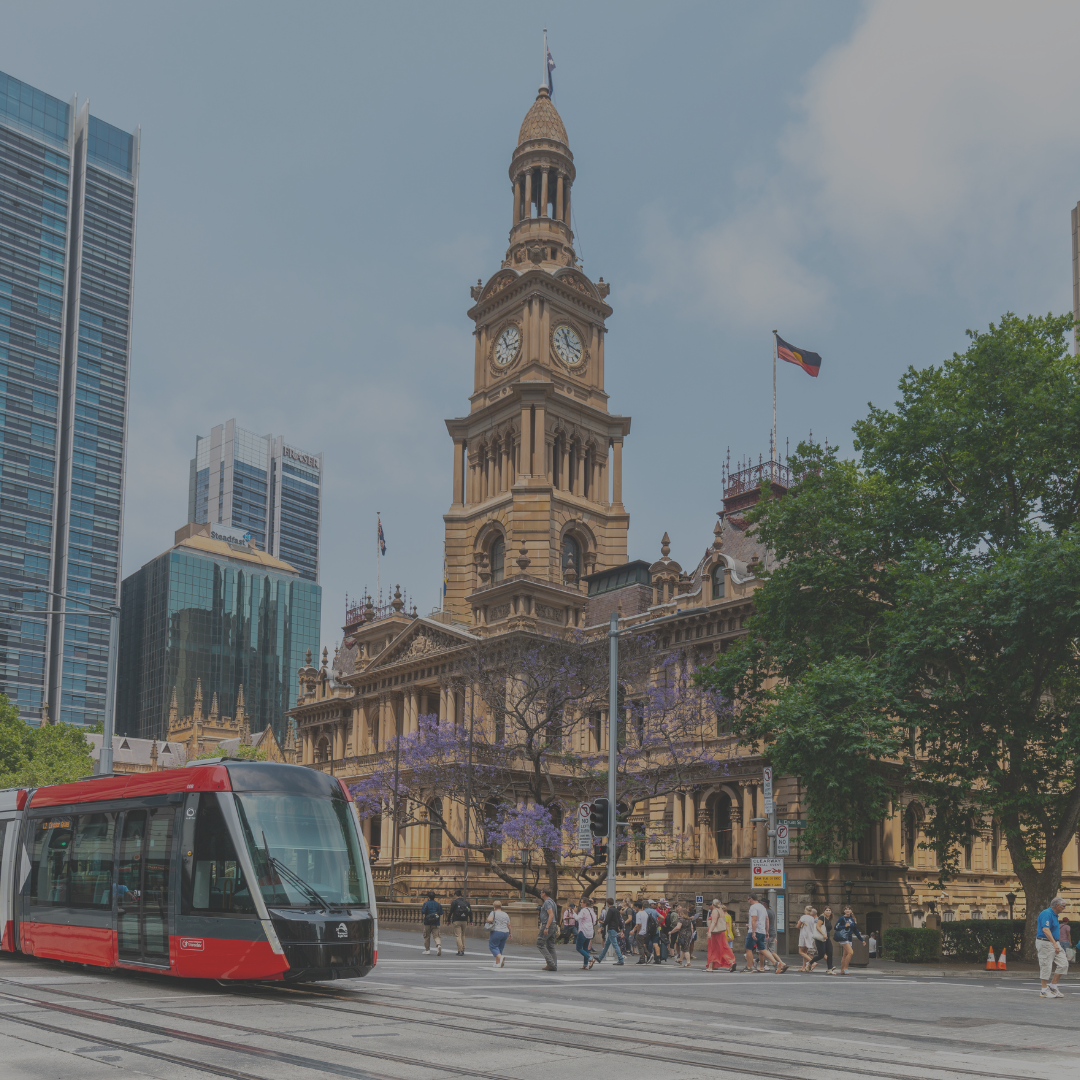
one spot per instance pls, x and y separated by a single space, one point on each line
68 194
262 486
220 612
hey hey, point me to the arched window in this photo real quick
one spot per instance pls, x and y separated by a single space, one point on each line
718 582
911 834
322 752
435 830
722 826
498 559
571 555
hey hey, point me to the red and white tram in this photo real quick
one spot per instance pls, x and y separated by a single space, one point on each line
222 870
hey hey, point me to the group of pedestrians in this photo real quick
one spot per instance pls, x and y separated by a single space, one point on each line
655 931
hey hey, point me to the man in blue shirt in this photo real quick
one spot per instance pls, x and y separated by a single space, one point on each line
431 914
1048 947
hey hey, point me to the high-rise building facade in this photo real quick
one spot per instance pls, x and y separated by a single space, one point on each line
68 195
216 614
262 486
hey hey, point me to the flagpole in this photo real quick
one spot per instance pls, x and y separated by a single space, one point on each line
773 447
544 65
378 565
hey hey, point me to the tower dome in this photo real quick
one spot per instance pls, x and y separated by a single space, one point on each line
543 121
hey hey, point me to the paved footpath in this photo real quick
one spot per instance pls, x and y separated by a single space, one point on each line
423 1017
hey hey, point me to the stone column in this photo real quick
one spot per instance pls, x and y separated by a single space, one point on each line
567 219
602 489
559 198
459 493
516 217
357 729
524 458
736 830
339 740
564 468
678 818
543 193
309 756
485 458
451 706
540 441
616 472
528 194
892 844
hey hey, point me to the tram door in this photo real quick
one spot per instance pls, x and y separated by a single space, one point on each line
142 900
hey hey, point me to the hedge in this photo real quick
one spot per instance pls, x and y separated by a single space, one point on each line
971 939
912 945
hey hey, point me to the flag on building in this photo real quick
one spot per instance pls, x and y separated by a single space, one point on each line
550 66
445 573
382 539
810 362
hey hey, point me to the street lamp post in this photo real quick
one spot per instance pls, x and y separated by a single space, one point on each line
1010 899
105 758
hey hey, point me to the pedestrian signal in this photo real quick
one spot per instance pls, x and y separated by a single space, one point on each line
598 817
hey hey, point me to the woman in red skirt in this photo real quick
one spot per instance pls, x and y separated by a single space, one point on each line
719 949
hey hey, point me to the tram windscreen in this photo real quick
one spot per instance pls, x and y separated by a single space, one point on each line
304 849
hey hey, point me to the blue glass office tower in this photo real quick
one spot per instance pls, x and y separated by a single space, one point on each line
68 193
221 612
260 485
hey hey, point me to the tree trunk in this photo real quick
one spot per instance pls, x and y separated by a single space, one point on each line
1040 887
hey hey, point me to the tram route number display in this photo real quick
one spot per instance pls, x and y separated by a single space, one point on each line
584 829
767 873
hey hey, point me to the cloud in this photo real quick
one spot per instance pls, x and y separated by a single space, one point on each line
935 142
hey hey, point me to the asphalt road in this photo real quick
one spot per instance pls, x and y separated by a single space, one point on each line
423 1017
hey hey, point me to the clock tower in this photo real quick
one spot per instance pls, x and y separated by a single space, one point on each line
537 490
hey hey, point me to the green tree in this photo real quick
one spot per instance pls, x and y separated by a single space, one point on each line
921 625
30 757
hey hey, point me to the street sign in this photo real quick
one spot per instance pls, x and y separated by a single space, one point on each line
767 873
770 806
793 823
584 832
699 899
783 839
767 776
781 913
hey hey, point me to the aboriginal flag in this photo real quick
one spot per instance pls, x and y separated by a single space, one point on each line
810 362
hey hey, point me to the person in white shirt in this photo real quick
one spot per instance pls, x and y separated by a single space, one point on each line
757 929
586 925
807 944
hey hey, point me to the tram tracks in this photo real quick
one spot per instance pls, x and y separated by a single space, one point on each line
722 1043
669 1053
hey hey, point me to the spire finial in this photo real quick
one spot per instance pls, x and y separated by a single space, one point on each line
665 546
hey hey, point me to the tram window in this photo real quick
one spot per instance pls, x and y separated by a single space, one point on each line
312 843
49 866
91 861
217 884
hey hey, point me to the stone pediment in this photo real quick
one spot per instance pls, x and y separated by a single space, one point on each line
420 640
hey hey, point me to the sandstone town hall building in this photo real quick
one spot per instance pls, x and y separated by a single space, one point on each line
536 540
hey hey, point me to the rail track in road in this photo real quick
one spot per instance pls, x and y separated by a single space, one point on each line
753 1060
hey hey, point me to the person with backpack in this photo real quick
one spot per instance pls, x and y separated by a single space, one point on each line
431 916
611 924
460 914
668 918
630 928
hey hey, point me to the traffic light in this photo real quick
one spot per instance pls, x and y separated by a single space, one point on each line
598 817
622 813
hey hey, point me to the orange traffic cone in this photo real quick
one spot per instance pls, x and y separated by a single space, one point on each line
991 963
1001 962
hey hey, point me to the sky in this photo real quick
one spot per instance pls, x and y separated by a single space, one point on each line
321 183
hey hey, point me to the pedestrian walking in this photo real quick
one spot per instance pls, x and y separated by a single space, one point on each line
770 939
431 916
569 924
807 946
641 932
586 927
498 923
1065 937
611 925
846 928
545 937
873 945
757 932
630 928
460 914
718 951
823 940
1049 949
681 934
653 926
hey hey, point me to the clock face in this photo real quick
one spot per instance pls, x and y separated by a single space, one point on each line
567 345
507 344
